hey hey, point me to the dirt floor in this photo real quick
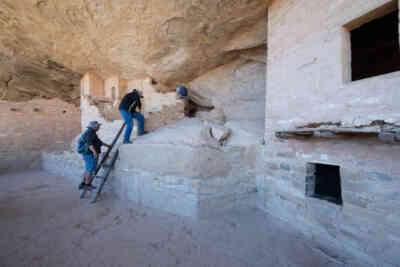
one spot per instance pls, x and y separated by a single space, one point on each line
44 223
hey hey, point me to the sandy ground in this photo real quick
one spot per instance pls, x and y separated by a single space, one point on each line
44 223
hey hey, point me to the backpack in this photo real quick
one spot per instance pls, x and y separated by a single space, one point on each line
83 147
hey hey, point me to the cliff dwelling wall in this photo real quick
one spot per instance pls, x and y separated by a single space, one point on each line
30 127
100 98
317 117
234 91
211 155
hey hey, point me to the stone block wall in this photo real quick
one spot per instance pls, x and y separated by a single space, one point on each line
369 183
175 170
308 66
28 128
68 164
308 85
182 195
188 180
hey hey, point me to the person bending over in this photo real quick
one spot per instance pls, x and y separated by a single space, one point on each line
128 109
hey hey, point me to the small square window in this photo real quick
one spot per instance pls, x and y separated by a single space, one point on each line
323 182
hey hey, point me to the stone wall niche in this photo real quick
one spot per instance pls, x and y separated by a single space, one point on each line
323 182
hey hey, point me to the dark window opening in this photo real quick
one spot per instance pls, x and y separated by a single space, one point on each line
323 182
375 47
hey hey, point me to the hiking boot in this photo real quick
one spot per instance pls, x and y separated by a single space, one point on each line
144 132
81 185
127 142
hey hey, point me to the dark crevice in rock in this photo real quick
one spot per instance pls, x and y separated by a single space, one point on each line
6 87
41 3
253 48
7 82
54 65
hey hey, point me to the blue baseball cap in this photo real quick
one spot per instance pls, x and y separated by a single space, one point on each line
182 92
93 124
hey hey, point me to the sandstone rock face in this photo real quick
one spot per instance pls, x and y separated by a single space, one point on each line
237 88
23 77
171 41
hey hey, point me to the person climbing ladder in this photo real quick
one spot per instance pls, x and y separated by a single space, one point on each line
89 145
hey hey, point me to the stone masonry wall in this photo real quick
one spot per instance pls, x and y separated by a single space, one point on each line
174 169
28 128
307 83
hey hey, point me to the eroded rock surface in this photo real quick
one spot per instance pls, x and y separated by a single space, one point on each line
24 77
238 89
170 41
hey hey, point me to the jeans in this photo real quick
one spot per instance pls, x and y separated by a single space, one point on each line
129 123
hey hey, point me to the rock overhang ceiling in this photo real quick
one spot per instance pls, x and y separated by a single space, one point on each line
173 41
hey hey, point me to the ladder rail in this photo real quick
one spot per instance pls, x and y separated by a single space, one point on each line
103 160
108 172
